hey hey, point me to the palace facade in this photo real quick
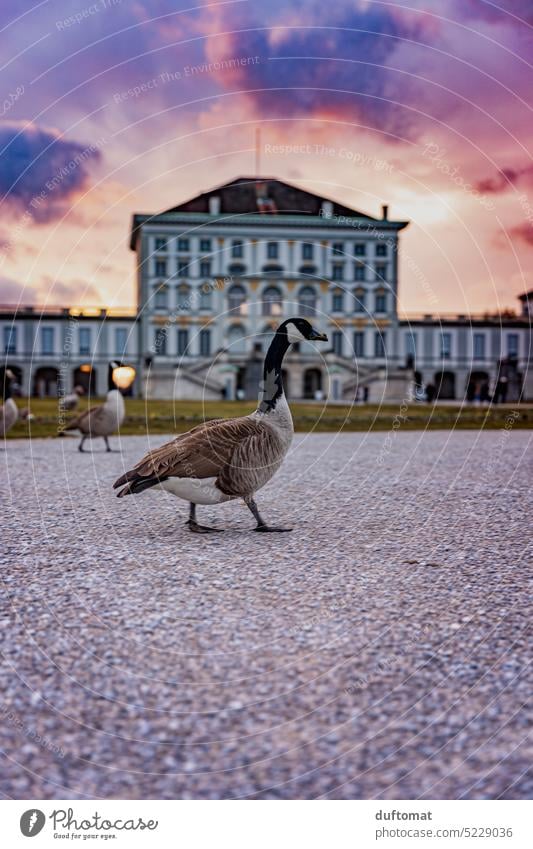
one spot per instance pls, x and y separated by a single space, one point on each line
217 274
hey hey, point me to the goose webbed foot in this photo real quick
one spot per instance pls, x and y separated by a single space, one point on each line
199 529
202 529
262 526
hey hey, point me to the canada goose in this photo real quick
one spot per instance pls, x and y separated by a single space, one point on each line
71 401
102 420
228 458
8 410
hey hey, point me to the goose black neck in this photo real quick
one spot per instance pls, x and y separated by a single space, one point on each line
272 378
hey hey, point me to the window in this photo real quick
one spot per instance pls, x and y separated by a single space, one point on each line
445 345
205 268
10 339
160 243
184 298
272 250
307 250
205 297
160 341
205 245
359 272
183 267
237 249
381 302
479 346
337 300
183 244
381 249
512 344
307 301
272 301
160 268
160 298
273 270
85 340
338 271
308 270
47 340
360 249
360 300
205 343
121 341
336 341
410 344
359 343
237 339
379 343
237 299
236 269
381 272
338 248
183 341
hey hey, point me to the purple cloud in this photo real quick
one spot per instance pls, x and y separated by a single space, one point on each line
339 64
40 171
505 179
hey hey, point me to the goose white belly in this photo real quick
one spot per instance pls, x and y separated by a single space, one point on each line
197 490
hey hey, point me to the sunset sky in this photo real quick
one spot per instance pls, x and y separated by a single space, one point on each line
426 106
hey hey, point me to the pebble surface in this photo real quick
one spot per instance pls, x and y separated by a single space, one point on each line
380 650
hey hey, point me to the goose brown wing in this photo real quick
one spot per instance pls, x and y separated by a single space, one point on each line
201 453
252 463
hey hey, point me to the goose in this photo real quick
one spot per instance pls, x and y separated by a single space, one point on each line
8 410
102 420
224 459
71 401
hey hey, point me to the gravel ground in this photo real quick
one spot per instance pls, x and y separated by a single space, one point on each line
378 651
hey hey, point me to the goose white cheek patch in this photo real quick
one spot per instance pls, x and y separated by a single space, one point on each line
293 334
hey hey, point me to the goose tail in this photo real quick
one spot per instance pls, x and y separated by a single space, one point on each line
135 483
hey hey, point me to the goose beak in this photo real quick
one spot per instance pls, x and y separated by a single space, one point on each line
315 336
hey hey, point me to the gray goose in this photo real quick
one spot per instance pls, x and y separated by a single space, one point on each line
8 410
102 420
225 459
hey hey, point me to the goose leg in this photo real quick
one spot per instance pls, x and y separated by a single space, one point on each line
262 527
108 447
195 527
80 446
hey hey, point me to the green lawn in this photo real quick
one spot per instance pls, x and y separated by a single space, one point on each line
179 416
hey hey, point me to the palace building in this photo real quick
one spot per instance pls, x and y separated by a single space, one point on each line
217 274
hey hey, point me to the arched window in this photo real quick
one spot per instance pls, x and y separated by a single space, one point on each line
266 337
337 300
272 301
237 299
381 301
307 301
359 300
184 297
206 300
237 339
160 297
237 269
